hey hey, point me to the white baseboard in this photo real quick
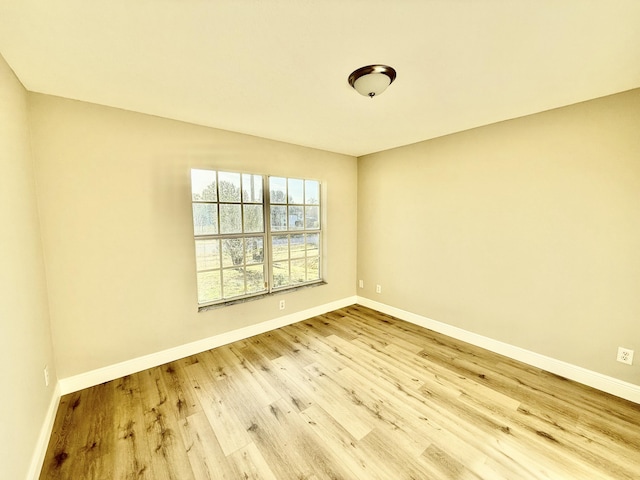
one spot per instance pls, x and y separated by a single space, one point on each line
111 372
611 385
593 379
37 458
67 385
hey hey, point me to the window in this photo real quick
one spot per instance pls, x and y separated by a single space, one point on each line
254 234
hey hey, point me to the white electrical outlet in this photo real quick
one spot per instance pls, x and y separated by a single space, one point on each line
281 304
361 283
378 289
46 376
625 355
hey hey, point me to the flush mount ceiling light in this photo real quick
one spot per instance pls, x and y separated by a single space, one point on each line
372 80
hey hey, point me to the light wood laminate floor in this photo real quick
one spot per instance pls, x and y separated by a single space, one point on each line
353 394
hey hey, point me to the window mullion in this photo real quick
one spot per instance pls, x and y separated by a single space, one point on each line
266 209
244 238
218 217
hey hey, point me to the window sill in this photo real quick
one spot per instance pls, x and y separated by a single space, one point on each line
215 306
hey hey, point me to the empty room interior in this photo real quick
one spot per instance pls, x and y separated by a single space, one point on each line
453 291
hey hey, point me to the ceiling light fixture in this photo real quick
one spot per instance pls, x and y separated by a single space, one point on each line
372 80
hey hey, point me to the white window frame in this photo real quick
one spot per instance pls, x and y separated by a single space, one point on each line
304 251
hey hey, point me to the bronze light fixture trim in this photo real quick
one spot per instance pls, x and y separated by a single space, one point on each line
372 80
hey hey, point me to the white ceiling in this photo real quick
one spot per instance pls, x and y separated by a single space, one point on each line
278 68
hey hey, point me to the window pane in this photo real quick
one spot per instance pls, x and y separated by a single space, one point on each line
278 218
280 247
229 186
296 246
312 218
280 274
313 268
203 185
233 281
254 250
230 218
312 243
296 218
253 218
278 189
233 256
232 252
296 191
311 192
205 219
298 270
255 279
209 286
251 188
207 254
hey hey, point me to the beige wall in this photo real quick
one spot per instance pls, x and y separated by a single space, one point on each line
526 231
25 338
114 189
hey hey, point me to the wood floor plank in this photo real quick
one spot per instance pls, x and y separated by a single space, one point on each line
352 394
357 358
168 452
131 457
319 459
405 467
83 443
249 464
270 344
278 447
304 350
205 455
179 392
98 447
227 427
332 400
257 389
288 389
345 446
407 413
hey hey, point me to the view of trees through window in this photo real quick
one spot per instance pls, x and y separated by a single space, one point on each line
236 255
